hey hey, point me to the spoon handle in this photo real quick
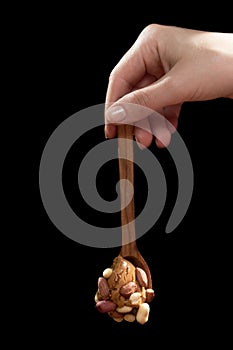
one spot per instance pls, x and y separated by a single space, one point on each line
126 171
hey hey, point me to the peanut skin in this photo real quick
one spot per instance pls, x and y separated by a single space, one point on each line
141 277
105 306
127 289
103 287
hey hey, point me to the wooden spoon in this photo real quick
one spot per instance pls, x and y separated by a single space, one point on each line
129 249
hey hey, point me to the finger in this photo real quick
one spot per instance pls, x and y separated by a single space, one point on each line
126 74
110 131
172 114
160 130
143 134
160 127
145 81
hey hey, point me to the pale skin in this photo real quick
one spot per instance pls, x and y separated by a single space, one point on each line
165 67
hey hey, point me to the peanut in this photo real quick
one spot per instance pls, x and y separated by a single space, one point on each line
124 309
103 287
135 298
115 314
96 297
105 306
143 313
141 277
149 295
129 317
119 319
107 272
127 289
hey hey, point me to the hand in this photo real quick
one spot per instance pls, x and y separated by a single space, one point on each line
166 67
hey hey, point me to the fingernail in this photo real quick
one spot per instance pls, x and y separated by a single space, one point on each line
116 114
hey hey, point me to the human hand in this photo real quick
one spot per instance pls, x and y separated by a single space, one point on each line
165 67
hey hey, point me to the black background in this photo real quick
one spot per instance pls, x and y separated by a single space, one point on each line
72 52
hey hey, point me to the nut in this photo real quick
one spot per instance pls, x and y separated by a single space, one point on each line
115 314
124 309
104 306
141 277
149 295
127 289
107 272
96 297
135 298
118 319
103 287
143 313
129 317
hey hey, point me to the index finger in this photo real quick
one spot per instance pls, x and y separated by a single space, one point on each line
126 74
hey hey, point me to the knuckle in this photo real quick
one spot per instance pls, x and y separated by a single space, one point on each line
112 74
140 97
151 30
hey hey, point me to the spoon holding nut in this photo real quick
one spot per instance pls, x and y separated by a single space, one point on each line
125 288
